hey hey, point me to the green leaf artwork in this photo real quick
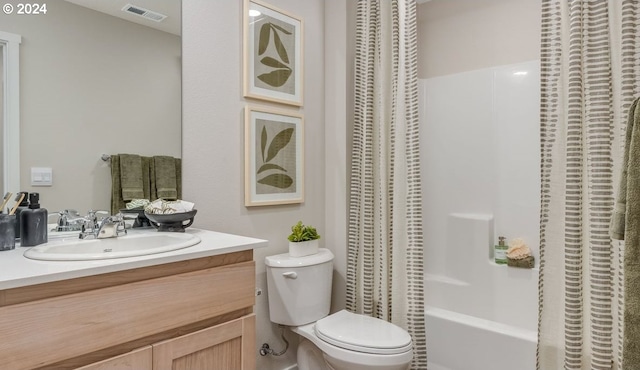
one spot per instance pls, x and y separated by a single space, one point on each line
279 142
280 29
265 34
279 76
277 180
276 78
268 61
270 166
263 141
282 52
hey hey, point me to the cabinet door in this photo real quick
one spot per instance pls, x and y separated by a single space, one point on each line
228 346
140 359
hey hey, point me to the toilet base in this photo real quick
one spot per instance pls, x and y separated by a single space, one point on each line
310 357
340 359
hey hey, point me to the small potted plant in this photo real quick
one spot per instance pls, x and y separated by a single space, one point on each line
303 240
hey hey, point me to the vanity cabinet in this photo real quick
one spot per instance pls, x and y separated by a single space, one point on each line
221 347
193 314
139 359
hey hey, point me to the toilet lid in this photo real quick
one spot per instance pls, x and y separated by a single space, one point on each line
363 334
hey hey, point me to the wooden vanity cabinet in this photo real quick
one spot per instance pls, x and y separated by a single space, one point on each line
140 359
195 314
222 347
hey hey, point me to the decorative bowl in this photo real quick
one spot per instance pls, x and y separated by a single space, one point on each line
141 220
173 222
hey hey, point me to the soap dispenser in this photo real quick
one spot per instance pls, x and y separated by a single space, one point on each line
33 223
24 204
500 251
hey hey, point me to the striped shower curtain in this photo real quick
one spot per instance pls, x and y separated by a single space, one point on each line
385 256
589 71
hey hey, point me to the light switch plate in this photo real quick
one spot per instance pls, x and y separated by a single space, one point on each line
41 176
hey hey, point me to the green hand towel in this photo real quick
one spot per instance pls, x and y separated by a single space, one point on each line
131 176
625 223
166 178
117 202
617 227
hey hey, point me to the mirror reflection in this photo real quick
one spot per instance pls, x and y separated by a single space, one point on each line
2 114
95 80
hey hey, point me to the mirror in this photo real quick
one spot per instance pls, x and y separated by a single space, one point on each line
10 110
94 80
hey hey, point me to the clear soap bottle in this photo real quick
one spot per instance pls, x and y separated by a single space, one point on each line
500 251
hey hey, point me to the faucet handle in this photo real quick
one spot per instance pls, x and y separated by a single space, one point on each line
121 226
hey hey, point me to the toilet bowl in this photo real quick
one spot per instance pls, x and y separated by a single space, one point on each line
300 296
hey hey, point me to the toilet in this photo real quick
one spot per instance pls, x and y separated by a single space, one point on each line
300 298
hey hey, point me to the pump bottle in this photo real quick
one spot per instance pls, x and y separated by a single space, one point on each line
33 223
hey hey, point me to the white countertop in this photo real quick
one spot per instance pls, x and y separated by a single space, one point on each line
18 271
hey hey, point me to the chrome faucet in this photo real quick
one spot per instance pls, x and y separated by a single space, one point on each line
68 220
108 227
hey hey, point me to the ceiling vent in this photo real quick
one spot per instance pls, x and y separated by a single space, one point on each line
145 13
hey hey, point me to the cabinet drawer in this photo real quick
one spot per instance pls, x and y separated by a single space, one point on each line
50 330
139 359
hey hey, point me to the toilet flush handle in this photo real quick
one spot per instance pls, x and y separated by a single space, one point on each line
290 275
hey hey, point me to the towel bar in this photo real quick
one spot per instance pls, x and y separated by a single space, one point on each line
106 157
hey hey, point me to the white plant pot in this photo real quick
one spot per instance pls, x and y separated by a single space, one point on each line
301 249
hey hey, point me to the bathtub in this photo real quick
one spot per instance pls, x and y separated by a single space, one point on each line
460 342
479 315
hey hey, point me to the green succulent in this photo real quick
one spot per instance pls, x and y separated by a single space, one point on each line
302 233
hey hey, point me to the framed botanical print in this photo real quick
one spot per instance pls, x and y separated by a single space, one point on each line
274 156
273 65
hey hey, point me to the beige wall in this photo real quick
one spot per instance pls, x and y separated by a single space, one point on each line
213 132
463 35
92 84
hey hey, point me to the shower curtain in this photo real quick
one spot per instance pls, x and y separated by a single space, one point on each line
385 256
589 77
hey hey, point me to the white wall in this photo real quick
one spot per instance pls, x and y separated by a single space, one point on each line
337 135
92 84
213 132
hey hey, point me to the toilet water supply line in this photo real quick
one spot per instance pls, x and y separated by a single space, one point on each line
265 350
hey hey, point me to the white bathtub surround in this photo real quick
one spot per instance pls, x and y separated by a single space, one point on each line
589 78
481 163
385 266
500 294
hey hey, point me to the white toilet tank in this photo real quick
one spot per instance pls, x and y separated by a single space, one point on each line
299 287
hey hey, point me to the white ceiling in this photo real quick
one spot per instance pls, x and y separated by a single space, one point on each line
170 8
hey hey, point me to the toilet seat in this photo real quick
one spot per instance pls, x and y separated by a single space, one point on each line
362 334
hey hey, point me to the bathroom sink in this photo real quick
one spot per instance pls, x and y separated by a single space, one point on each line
74 249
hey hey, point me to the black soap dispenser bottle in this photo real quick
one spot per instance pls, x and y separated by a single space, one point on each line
33 223
24 204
